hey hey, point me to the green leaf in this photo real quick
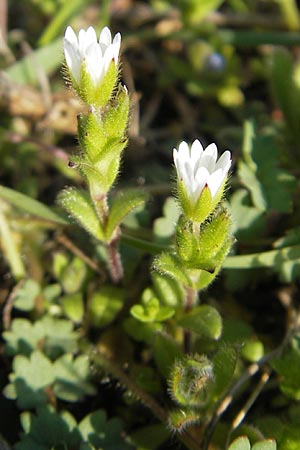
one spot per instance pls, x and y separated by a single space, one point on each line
59 336
287 367
248 221
168 264
164 227
141 331
105 304
168 290
81 208
150 437
286 90
73 275
270 186
47 58
23 337
203 320
272 258
29 379
151 311
241 443
102 433
26 295
249 179
165 352
47 429
267 444
73 306
120 207
63 15
224 363
31 206
72 378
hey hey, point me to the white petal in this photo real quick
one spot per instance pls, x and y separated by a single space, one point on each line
94 62
71 36
73 59
108 57
116 45
224 161
196 151
90 38
201 179
209 157
215 181
105 37
184 151
81 40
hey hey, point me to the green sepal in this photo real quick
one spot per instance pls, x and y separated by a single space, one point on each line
92 135
116 118
189 379
204 246
120 207
81 208
200 210
102 174
100 134
203 320
97 95
170 265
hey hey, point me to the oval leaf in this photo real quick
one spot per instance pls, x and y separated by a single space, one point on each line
203 320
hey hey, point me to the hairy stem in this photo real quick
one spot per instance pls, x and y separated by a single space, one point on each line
114 261
190 300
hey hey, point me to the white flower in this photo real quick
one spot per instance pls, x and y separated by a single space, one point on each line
97 55
198 167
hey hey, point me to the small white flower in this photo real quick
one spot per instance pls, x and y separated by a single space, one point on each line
97 55
198 167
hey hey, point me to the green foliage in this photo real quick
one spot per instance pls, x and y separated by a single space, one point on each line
26 295
286 90
287 368
80 207
270 187
48 428
243 443
203 320
49 57
105 304
33 378
150 309
120 207
165 352
164 226
73 307
31 206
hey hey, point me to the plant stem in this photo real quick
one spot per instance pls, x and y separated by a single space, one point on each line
190 299
114 261
10 249
242 414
